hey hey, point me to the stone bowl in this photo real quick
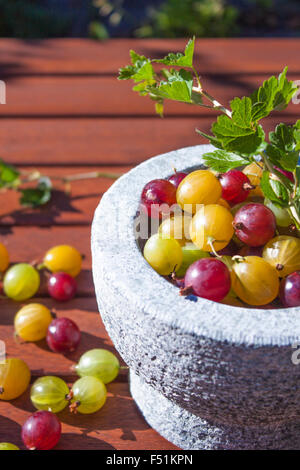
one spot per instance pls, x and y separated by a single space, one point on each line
205 375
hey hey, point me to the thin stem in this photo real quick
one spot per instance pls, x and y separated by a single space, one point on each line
36 175
197 77
91 175
216 104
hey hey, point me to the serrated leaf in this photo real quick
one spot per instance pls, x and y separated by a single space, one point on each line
242 112
274 94
297 135
222 161
135 57
179 59
274 190
282 148
140 70
178 87
236 136
9 175
39 196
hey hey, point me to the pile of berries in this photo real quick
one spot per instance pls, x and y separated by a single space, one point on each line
220 239
50 395
35 322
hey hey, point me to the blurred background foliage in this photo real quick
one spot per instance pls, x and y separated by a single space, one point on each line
101 19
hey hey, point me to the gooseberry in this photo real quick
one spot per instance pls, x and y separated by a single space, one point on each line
290 290
41 431
99 363
63 258
254 171
88 395
176 227
190 254
21 282
49 393
32 321
177 177
62 287
157 198
14 378
208 278
211 228
4 258
199 187
254 224
283 253
8 446
236 186
63 335
283 218
254 281
163 254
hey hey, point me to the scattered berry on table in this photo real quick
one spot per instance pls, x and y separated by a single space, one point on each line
21 282
62 286
63 258
14 378
49 393
32 321
63 335
41 431
99 363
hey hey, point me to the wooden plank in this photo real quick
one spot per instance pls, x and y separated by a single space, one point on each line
40 359
117 426
116 141
64 209
28 244
77 56
106 96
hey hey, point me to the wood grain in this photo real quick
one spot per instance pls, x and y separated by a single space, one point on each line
66 114
74 56
29 244
40 359
106 96
101 141
117 426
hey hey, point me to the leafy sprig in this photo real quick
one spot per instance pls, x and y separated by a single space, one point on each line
237 134
36 189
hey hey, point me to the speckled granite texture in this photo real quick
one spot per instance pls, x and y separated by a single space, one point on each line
224 370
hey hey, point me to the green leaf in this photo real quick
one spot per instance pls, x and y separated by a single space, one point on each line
274 94
274 190
179 59
242 112
213 140
141 69
222 161
297 135
9 175
178 87
34 197
298 179
236 134
282 148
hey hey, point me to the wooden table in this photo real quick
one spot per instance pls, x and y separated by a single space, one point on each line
66 114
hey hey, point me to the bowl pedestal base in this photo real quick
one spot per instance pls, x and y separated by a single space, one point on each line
190 432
